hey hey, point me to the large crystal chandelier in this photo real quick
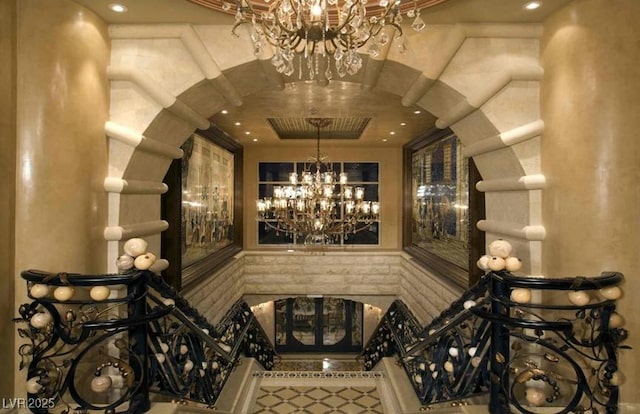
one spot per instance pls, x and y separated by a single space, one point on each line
318 32
322 37
311 208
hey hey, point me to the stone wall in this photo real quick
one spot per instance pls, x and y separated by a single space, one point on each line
301 273
424 293
217 293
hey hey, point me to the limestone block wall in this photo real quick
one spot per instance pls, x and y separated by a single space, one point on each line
377 279
301 273
374 279
425 294
215 295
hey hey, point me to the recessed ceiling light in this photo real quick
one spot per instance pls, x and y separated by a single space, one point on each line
417 111
224 112
392 133
384 140
118 8
238 124
255 140
247 132
403 123
532 5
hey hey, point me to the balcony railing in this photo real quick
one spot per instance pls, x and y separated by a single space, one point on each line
530 344
105 342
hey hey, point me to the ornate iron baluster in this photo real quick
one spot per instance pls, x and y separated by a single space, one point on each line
143 340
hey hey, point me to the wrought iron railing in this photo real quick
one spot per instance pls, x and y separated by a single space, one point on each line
105 342
527 343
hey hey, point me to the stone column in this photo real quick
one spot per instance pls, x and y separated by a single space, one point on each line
591 151
7 187
61 152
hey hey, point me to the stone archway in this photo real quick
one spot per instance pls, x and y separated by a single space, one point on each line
483 81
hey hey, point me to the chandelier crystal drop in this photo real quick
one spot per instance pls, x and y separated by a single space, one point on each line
326 33
310 207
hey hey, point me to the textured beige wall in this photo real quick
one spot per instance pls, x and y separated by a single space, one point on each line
218 292
390 160
591 151
7 187
373 278
332 273
62 104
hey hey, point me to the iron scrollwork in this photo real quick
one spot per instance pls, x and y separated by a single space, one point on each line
525 355
139 336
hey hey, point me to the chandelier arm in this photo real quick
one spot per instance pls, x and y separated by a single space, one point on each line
365 227
270 35
236 25
339 231
380 27
398 28
350 17
278 228
313 47
335 47
279 23
297 40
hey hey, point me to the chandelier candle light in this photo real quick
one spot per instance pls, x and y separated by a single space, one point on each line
309 207
322 31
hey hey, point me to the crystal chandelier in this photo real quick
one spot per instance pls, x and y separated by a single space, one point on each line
324 35
310 207
320 32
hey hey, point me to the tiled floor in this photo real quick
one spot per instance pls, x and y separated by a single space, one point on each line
317 400
317 384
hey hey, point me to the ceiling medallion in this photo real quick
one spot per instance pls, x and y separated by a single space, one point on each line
317 38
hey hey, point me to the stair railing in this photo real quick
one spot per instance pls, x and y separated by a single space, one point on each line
444 360
105 342
558 351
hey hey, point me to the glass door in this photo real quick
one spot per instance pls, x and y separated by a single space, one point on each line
318 325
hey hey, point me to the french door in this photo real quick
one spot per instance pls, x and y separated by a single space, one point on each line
324 325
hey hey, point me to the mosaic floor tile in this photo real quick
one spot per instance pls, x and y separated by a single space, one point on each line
317 400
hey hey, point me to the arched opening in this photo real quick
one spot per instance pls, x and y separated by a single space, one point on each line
468 83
